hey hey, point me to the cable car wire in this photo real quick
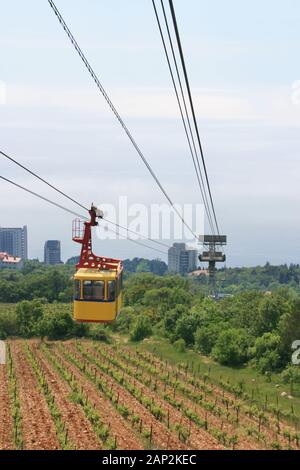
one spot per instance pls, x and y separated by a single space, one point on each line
136 233
43 197
136 241
42 179
115 112
173 14
190 137
73 200
74 213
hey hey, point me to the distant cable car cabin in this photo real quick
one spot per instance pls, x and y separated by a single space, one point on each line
98 280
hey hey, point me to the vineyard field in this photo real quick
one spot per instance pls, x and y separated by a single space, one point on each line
81 394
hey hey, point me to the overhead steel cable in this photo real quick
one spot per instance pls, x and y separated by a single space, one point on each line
72 212
115 112
190 137
173 14
73 200
136 233
137 241
43 198
42 179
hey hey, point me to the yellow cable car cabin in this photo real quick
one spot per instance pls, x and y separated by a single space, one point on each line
98 280
98 295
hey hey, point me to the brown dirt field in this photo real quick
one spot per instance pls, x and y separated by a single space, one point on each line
245 442
38 427
162 437
199 439
126 439
37 424
80 432
6 423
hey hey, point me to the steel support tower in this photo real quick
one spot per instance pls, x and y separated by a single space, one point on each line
213 254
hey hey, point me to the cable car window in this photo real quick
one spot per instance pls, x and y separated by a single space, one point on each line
77 290
88 290
98 290
111 294
93 290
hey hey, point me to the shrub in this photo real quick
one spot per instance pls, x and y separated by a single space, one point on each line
29 315
291 375
8 323
56 325
186 326
141 329
99 333
80 329
179 345
206 337
231 347
124 320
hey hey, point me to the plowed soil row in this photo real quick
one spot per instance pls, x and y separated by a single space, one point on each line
80 432
126 439
6 424
37 424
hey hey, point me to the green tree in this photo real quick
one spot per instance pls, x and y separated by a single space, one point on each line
289 330
167 298
28 315
124 320
231 347
270 310
56 325
171 318
206 337
8 322
186 327
143 266
266 352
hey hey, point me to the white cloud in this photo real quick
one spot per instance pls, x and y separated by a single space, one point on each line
272 104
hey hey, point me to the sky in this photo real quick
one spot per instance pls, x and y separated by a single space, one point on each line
242 60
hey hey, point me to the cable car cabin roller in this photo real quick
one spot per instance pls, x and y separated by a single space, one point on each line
98 280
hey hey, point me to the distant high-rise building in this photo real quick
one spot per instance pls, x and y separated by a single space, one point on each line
181 259
14 241
52 252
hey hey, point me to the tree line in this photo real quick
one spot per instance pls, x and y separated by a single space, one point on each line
252 326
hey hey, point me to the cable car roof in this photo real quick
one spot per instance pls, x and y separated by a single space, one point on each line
95 274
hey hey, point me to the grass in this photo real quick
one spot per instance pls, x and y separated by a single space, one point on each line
255 384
